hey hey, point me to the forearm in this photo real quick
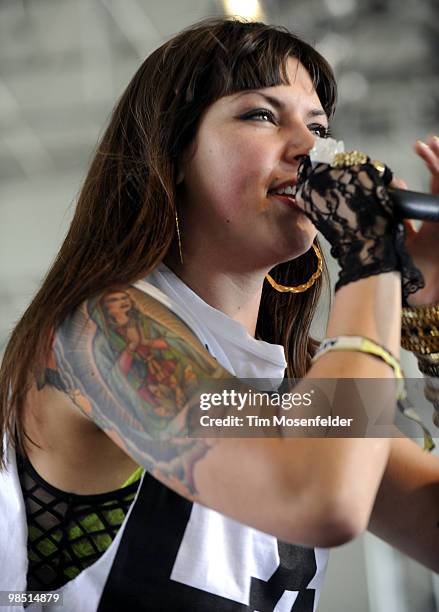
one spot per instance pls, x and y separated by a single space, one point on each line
338 487
406 510
352 468
372 307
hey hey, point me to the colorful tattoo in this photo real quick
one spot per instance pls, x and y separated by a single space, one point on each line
134 368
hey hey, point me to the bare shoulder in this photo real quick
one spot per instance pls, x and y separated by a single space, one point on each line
128 320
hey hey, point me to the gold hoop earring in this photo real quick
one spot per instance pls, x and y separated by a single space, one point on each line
304 286
178 236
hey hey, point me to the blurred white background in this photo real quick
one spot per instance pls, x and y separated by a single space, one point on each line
63 64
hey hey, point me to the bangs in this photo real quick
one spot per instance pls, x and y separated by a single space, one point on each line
215 58
254 55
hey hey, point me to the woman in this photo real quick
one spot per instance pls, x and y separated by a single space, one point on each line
158 290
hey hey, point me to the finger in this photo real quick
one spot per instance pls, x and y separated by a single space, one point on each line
398 183
410 227
429 230
428 155
433 143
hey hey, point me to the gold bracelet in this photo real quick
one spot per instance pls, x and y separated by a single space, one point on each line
431 393
429 367
420 329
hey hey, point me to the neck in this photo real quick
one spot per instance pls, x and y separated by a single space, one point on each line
235 292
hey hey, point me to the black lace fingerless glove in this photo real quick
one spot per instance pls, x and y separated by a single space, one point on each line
352 209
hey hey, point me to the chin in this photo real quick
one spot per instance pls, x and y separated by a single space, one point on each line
302 244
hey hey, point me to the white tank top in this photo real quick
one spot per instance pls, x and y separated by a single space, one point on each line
170 553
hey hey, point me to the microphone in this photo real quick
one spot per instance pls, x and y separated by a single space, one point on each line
415 205
408 204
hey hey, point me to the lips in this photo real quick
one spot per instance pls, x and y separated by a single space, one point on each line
279 186
285 199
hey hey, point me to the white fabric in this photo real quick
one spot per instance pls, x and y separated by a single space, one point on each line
240 554
227 340
240 551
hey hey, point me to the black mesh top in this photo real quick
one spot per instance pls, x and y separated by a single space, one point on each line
68 532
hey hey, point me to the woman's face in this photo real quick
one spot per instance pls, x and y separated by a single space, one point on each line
117 304
245 144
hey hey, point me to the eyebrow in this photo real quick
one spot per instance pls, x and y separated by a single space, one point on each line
277 104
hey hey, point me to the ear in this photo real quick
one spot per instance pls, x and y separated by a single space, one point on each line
183 160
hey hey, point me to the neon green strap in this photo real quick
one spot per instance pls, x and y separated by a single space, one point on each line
134 476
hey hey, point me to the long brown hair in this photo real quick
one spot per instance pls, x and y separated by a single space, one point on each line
124 222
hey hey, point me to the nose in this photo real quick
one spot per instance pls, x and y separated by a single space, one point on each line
300 142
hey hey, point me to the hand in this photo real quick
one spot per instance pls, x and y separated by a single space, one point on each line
133 337
429 152
422 244
351 207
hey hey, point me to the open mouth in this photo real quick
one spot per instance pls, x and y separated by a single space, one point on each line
284 192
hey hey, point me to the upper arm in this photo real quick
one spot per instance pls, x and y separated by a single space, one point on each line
406 509
132 367
138 377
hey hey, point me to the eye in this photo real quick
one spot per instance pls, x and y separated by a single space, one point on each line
320 130
262 112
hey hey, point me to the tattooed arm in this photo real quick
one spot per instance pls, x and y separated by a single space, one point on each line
131 366
134 368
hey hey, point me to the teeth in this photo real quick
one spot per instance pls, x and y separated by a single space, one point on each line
289 190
